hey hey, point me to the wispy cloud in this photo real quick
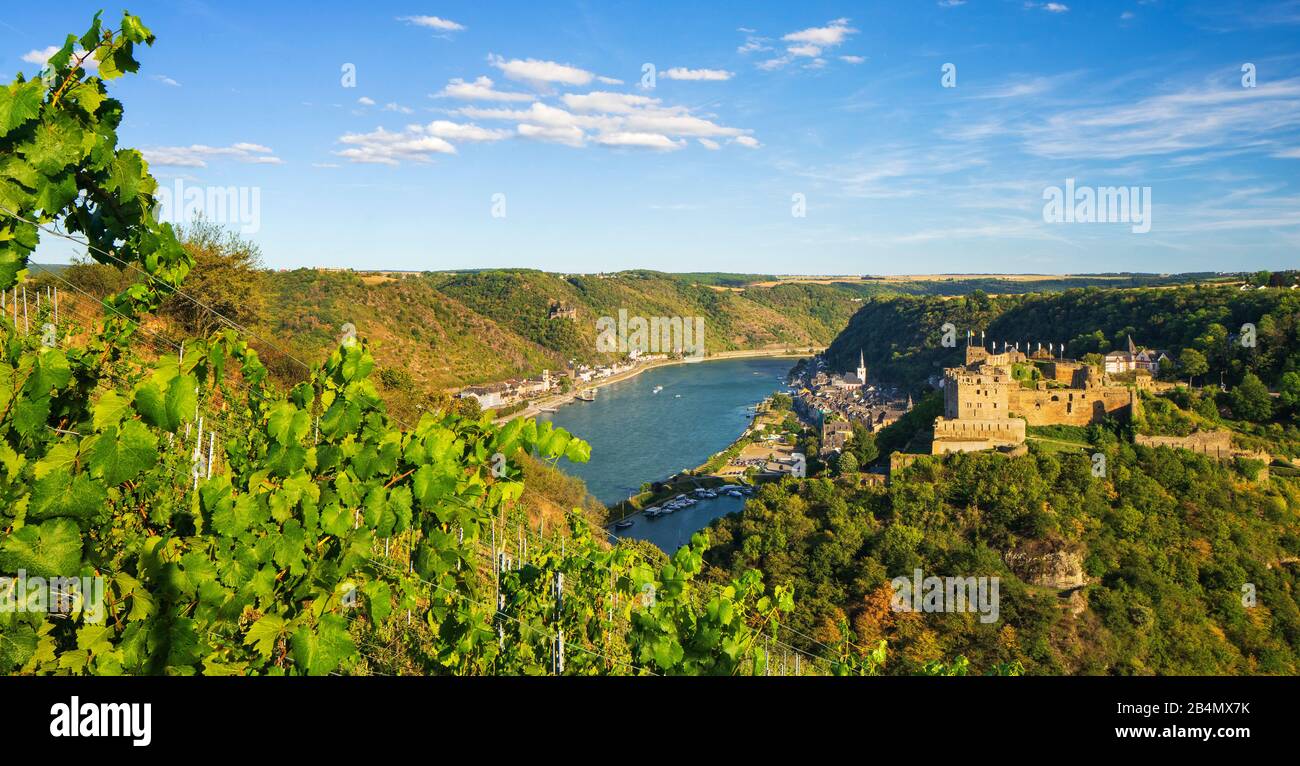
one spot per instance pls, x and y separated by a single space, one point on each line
432 22
810 43
482 89
540 73
197 155
681 73
414 143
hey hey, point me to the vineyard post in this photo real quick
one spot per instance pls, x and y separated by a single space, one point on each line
25 327
198 453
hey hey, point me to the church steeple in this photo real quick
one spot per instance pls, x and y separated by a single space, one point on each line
862 369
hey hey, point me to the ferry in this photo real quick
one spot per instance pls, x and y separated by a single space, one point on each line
586 395
653 512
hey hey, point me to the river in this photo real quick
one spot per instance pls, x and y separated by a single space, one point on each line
637 435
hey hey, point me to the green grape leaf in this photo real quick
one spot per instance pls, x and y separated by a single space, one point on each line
50 549
122 454
60 494
319 651
19 102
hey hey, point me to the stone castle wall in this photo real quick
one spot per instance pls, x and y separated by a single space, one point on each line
1070 406
968 435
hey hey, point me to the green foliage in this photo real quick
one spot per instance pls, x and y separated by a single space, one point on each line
226 280
1250 400
1166 540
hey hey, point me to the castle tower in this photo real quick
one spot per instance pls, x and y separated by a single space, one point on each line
862 369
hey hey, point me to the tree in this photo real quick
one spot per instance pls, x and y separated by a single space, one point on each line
1251 401
1289 397
227 278
863 445
1193 363
847 463
98 279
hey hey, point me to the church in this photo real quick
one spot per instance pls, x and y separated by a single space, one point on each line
852 381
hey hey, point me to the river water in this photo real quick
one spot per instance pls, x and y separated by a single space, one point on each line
637 435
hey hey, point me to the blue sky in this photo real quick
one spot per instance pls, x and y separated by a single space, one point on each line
752 104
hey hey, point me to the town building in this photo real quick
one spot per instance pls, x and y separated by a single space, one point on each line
1134 359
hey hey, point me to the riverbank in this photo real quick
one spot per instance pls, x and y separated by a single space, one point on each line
705 477
554 401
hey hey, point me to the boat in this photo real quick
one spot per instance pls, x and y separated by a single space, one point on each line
735 493
658 389
586 395
623 525
653 512
677 396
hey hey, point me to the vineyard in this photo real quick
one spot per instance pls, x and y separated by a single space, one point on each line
239 528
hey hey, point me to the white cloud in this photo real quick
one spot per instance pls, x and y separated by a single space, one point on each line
774 63
165 80
609 80
1193 119
197 155
754 45
810 42
396 107
366 101
604 114
383 147
605 101
39 57
414 143
569 136
656 141
479 90
432 22
1287 154
681 73
1056 8
749 142
456 131
540 73
709 144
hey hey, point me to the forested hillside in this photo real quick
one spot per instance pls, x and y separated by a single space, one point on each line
901 337
1170 545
